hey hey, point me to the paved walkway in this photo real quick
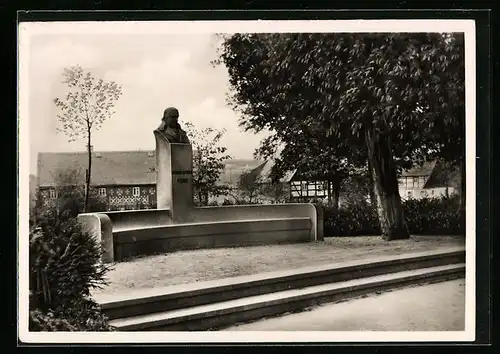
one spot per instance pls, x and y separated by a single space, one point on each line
435 307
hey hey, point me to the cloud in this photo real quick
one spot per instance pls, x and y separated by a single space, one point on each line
49 60
178 75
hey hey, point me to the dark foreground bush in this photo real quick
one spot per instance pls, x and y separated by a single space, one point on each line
81 315
425 216
64 267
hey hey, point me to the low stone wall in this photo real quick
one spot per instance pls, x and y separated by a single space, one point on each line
139 232
147 241
263 212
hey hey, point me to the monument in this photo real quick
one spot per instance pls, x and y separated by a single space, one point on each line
174 167
177 224
170 128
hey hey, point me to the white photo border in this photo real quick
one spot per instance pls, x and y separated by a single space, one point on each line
28 29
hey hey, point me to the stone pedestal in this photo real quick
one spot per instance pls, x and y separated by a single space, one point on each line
174 177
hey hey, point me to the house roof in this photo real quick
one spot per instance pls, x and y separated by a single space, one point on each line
235 168
444 175
119 167
265 173
420 171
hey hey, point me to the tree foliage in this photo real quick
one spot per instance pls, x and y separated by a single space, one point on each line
249 187
394 99
325 89
89 102
209 158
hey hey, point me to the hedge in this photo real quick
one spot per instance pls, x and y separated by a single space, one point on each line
64 267
438 216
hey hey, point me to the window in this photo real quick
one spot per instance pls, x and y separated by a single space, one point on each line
404 182
52 194
102 192
415 182
136 191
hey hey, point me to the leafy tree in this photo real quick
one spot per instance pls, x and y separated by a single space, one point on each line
356 189
70 195
208 162
277 192
249 187
255 188
385 101
314 159
87 105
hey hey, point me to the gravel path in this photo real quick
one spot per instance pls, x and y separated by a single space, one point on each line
434 307
209 264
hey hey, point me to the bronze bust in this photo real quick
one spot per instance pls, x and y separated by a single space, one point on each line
170 127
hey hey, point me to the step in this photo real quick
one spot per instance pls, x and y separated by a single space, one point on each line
227 313
146 301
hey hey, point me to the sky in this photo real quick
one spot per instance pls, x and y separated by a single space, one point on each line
155 72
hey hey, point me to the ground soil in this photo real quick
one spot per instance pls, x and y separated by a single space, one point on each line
209 264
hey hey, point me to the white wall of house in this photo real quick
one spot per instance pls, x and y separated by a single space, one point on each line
413 188
441 191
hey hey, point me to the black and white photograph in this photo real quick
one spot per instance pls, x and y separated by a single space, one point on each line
247 181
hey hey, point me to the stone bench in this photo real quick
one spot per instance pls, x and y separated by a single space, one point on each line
124 234
129 242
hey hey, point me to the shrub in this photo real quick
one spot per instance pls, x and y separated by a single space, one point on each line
79 315
64 268
48 322
434 216
423 216
227 201
351 220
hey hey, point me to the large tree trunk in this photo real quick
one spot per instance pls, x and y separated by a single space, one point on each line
335 193
389 206
371 186
89 171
